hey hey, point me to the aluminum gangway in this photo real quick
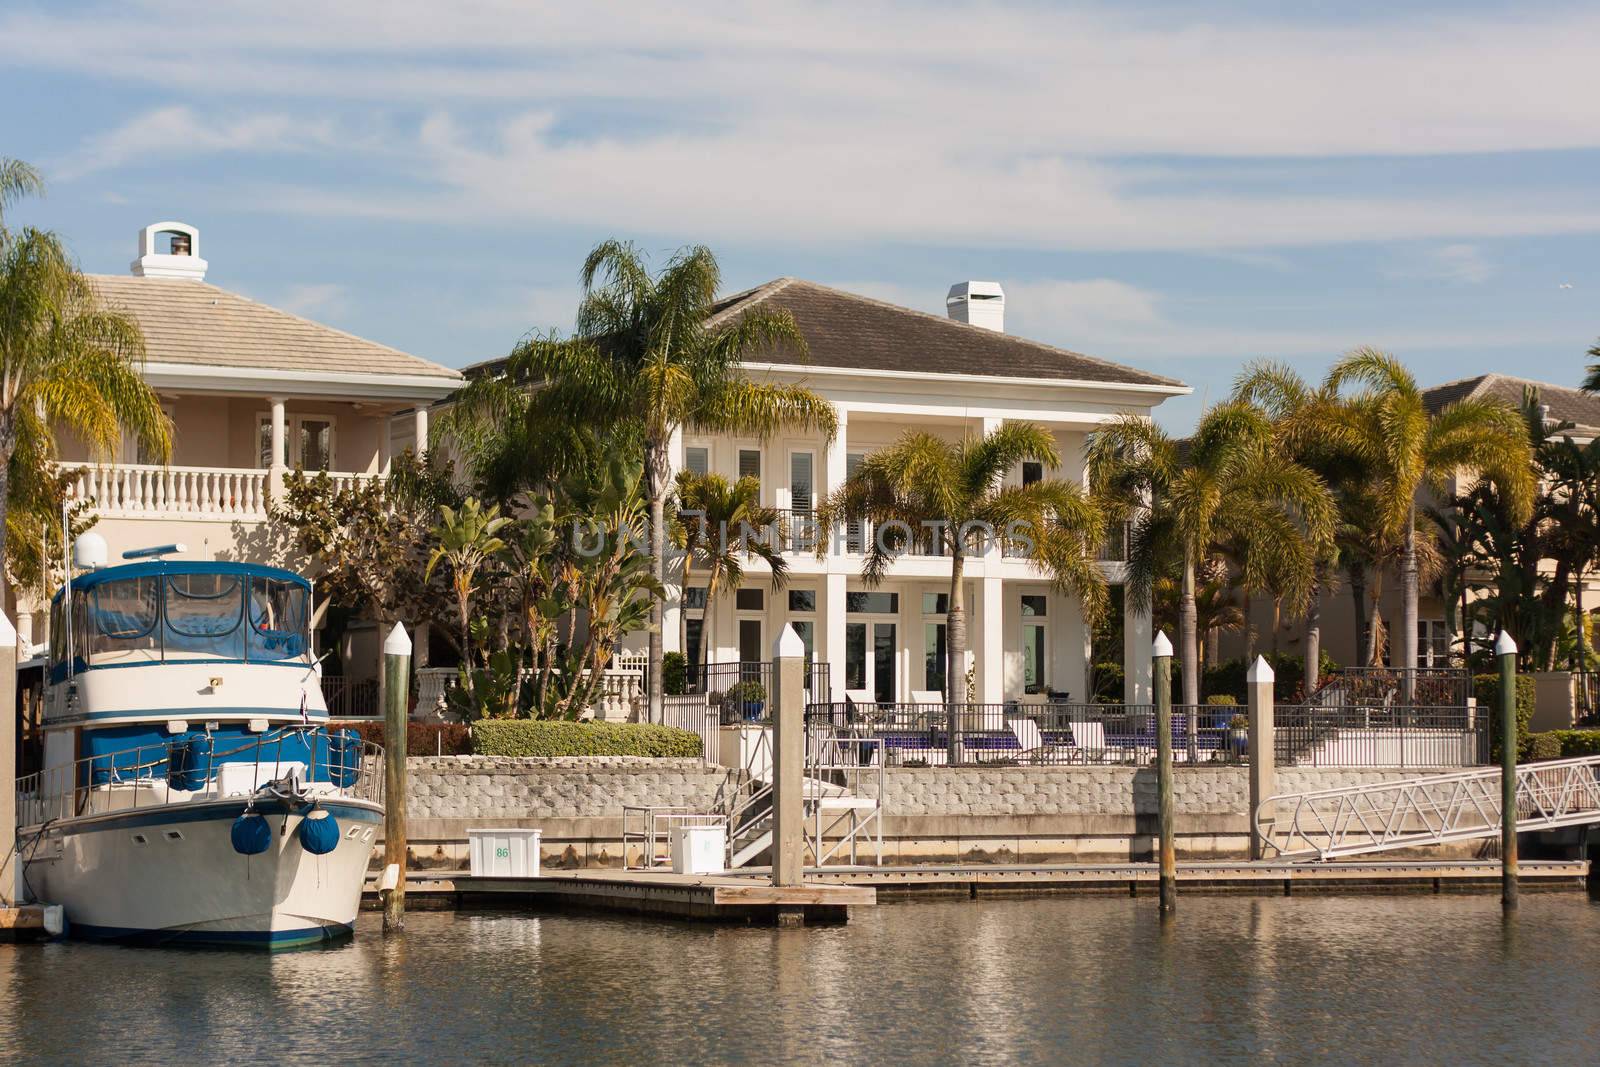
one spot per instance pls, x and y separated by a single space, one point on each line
1434 810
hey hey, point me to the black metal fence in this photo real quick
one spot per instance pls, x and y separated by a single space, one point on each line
1432 687
1313 735
1012 734
744 689
351 698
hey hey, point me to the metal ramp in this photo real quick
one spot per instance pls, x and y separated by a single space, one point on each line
1436 810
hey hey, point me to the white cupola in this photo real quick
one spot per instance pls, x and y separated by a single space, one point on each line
978 304
169 250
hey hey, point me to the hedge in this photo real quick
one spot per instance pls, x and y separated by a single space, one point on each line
1566 744
422 738
1486 687
534 737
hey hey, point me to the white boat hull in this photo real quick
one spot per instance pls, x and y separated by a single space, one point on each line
170 874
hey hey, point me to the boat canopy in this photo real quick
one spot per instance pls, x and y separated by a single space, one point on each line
176 611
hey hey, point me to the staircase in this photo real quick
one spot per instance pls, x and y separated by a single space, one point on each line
1434 810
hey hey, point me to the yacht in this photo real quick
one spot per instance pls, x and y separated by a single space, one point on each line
191 790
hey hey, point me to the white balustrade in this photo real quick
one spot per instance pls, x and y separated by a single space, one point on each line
151 491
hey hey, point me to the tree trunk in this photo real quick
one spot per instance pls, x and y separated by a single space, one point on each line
955 650
1409 594
1313 662
1580 642
683 621
1358 593
1188 635
656 464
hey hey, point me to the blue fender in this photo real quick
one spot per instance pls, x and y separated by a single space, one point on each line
251 835
319 832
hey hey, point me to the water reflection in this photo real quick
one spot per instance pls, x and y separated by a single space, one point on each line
1353 979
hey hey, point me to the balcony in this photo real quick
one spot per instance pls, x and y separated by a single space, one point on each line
151 491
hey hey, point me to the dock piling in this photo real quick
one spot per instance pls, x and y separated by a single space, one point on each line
1162 655
10 861
788 758
1262 746
397 677
1505 650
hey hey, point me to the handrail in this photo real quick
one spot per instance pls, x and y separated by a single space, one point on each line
70 791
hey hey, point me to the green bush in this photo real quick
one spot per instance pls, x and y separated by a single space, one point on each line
1486 687
750 692
1108 679
674 674
422 738
533 737
1544 746
1575 743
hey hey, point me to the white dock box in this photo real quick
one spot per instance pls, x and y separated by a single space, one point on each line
699 849
510 853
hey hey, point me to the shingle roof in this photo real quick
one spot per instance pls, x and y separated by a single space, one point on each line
858 333
1566 404
186 321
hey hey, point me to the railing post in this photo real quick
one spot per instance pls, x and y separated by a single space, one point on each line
788 756
1162 655
397 671
1262 746
1505 650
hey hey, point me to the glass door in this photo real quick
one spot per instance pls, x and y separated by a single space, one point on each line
883 672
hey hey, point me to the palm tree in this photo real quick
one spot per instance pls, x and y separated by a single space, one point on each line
64 359
929 493
1226 483
722 525
1403 448
1573 505
468 540
17 179
646 354
1591 381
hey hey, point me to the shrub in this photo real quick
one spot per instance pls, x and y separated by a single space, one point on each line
751 692
1486 687
1544 746
422 738
1222 700
1575 743
1108 679
533 737
674 674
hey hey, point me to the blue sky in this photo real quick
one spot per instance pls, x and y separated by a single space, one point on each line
1180 187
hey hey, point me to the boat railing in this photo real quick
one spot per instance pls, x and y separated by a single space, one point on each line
141 777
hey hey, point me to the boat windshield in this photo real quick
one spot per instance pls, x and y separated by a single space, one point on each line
151 618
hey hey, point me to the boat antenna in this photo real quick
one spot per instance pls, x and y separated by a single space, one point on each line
66 595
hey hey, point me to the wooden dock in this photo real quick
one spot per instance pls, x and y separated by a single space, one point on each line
748 896
27 922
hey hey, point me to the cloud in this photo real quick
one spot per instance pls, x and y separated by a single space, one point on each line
314 299
169 132
1463 264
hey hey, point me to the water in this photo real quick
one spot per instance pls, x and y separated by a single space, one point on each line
1066 979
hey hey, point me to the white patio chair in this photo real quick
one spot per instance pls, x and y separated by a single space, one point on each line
1089 737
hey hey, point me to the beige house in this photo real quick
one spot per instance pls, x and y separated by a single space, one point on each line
253 392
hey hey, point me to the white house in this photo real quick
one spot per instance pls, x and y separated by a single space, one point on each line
888 369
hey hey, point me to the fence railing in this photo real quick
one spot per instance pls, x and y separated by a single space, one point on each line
150 490
1441 687
1314 735
142 777
351 698
1012 733
743 690
692 711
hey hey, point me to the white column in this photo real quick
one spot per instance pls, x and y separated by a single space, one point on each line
991 628
279 451
833 618
420 416
672 605
1136 638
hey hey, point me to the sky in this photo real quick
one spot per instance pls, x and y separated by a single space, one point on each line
1180 187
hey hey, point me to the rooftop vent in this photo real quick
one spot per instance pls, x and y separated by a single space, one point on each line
169 250
978 304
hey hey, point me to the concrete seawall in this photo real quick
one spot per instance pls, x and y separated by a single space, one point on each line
971 815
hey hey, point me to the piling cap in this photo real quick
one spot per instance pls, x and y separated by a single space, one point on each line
1260 671
398 643
1504 645
788 645
1161 647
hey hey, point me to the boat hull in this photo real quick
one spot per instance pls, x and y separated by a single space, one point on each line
170 874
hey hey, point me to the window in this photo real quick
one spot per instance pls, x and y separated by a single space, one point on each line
751 650
855 655
749 600
934 654
883 662
697 460
315 440
124 615
1433 643
750 463
1034 606
1033 680
802 600
855 530
694 598
806 630
278 619
935 603
264 442
695 630
801 485
203 615
872 603
1032 472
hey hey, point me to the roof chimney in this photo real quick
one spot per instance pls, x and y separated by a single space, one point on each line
978 304
169 250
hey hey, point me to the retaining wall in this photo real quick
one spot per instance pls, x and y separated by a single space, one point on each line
978 815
